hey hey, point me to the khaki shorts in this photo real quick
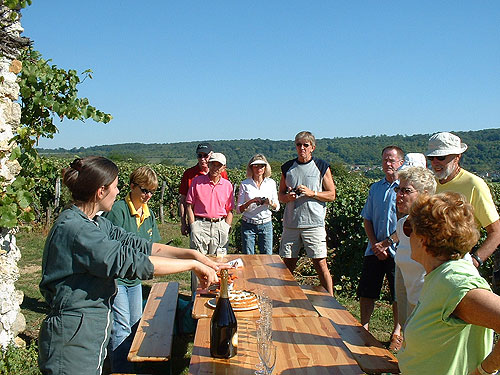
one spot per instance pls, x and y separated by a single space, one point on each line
313 240
206 236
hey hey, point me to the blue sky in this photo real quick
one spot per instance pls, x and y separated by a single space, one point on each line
173 71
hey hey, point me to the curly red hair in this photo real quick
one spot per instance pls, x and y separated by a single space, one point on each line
446 222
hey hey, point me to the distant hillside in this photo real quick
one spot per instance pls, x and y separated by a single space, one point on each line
482 156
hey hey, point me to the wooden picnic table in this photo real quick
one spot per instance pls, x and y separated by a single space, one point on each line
305 345
312 332
268 273
153 338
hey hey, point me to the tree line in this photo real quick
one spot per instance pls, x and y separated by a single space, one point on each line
482 157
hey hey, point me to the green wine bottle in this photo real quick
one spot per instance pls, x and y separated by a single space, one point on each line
223 326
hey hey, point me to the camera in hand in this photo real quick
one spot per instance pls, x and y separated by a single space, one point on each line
262 200
296 190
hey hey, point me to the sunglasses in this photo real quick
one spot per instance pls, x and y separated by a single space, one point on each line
145 191
440 158
298 144
258 165
403 190
407 229
202 156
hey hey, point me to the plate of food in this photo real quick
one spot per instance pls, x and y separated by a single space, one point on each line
241 300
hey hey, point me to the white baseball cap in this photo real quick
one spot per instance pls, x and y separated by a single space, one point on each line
217 156
414 159
442 144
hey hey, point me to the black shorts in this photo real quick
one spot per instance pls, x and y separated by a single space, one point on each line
372 277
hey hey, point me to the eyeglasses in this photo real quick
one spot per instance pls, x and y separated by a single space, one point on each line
298 144
202 156
407 229
404 190
258 165
440 158
392 161
145 191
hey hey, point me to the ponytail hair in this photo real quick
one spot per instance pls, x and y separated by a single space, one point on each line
85 176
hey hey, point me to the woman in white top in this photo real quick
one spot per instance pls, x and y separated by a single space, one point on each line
413 181
257 197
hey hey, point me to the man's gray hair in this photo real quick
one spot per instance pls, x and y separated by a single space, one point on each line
308 136
422 179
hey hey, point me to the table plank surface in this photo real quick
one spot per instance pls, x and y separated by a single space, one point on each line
263 272
370 354
153 339
305 345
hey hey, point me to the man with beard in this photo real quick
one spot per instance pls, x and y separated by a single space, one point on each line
444 153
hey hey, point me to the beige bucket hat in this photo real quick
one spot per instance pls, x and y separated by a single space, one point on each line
441 144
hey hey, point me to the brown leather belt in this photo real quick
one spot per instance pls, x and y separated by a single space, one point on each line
212 220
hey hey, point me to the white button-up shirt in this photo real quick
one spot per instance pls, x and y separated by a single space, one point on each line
249 190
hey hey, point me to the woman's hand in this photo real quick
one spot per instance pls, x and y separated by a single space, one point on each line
216 266
248 203
206 275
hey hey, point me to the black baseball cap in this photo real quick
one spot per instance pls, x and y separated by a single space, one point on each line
204 147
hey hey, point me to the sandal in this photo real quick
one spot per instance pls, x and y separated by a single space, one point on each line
396 342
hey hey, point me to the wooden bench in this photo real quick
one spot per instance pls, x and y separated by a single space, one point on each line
371 355
153 339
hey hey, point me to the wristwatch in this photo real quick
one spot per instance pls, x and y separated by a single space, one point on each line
391 241
478 260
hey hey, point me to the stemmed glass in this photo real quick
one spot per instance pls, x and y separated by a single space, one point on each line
264 337
265 306
264 328
267 355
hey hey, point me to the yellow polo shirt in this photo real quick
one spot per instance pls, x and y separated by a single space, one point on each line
476 192
139 218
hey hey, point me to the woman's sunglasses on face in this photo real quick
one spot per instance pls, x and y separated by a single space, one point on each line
145 191
404 190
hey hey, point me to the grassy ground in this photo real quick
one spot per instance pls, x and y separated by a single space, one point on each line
34 307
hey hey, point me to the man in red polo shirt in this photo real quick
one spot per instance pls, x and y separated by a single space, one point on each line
209 207
203 152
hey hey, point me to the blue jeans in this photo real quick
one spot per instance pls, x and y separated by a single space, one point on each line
127 311
263 233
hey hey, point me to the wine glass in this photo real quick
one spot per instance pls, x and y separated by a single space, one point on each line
267 355
265 305
263 333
